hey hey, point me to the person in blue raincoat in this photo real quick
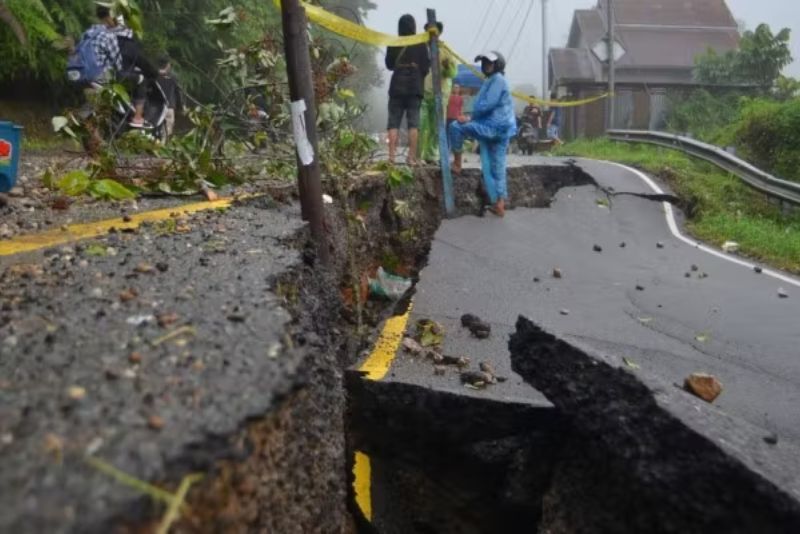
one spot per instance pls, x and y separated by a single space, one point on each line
493 124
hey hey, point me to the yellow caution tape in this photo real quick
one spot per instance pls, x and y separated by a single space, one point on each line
365 35
526 98
356 32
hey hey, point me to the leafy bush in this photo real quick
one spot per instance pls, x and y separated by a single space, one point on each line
768 134
704 114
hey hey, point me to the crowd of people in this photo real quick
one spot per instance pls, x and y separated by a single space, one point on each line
491 121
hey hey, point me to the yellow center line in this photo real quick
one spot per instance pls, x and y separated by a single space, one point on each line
380 360
88 230
375 367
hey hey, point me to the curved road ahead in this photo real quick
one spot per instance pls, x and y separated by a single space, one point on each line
730 323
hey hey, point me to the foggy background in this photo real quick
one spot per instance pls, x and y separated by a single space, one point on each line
466 30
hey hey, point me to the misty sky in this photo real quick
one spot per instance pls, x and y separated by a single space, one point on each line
468 35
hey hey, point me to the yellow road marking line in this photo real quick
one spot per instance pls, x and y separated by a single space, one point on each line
362 469
380 360
79 231
376 366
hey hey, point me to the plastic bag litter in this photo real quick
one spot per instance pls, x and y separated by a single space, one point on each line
388 285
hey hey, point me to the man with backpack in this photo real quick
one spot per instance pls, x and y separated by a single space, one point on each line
97 56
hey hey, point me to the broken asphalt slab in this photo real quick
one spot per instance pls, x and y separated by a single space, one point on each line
152 370
645 456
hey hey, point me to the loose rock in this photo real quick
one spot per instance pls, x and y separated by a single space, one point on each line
439 370
704 386
564 312
772 439
659 245
782 293
598 248
639 288
135 358
460 361
758 269
623 245
557 273
411 345
479 328
477 379
155 422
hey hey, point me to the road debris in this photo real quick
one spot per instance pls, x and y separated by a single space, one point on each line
140 320
536 280
758 269
135 358
477 327
659 245
411 345
730 247
439 370
167 319
145 268
389 286
458 361
695 268
623 245
772 439
639 287
477 379
128 295
76 393
564 312
429 333
704 386
557 273
631 363
597 248
155 422
782 293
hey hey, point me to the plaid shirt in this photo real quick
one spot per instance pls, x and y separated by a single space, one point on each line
106 48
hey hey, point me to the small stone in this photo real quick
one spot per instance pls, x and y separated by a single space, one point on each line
126 218
772 439
623 245
782 293
659 245
145 268
411 345
16 192
128 295
557 273
639 288
83 264
135 358
487 368
477 379
598 248
458 361
155 422
439 370
703 276
167 319
695 268
64 228
536 280
76 393
97 293
564 312
704 386
112 374
162 266
688 275
758 269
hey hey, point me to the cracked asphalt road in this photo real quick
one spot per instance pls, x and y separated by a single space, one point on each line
635 301
143 349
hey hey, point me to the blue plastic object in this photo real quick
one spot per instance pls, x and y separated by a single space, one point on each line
10 138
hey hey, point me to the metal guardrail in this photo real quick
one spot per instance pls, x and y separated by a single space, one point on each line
753 176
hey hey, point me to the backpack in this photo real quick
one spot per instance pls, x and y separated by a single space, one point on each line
406 80
83 66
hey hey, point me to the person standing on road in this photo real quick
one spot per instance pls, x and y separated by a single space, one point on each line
409 66
493 124
554 117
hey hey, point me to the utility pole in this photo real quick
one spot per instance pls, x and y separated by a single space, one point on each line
304 121
610 122
444 145
545 95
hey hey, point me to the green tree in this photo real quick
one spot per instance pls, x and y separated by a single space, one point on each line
758 61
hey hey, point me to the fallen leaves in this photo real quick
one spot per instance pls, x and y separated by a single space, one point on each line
430 333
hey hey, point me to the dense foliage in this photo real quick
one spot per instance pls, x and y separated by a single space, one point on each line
758 61
176 28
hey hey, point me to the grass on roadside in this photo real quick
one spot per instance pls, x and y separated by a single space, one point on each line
720 207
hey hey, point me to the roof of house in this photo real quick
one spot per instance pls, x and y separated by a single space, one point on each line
655 34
